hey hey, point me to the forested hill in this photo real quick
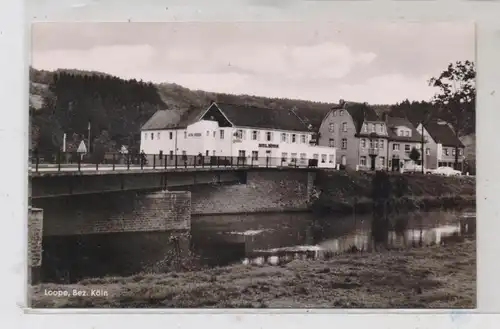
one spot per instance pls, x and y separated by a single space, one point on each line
65 101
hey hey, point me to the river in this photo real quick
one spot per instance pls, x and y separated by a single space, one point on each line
257 238
253 238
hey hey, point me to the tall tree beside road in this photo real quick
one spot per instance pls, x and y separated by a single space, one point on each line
457 96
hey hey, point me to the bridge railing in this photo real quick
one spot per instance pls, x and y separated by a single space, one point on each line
72 161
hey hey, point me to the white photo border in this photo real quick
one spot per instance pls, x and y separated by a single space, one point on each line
15 20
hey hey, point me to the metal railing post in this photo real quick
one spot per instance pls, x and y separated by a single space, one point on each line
202 161
58 160
114 161
141 158
128 161
176 161
37 161
154 161
79 161
165 162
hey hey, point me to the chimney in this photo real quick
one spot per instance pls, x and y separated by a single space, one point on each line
341 102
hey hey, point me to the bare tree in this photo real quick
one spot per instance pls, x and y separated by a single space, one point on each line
456 97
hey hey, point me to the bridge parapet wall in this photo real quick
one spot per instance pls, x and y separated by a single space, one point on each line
116 212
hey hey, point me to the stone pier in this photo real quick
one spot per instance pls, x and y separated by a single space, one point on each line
35 233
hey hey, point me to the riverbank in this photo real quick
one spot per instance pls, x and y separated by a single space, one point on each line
432 277
350 191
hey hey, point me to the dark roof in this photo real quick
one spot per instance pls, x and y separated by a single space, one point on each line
360 112
258 117
163 119
393 122
443 134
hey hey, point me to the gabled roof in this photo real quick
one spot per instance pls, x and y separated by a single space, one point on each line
393 122
360 112
264 118
162 119
443 134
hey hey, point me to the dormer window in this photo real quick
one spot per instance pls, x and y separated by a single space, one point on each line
341 112
365 128
407 133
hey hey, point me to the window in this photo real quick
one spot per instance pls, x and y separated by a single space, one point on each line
445 151
323 158
221 134
362 161
206 152
303 156
382 161
372 128
427 151
185 134
407 148
331 142
255 155
400 133
380 128
453 151
152 136
341 112
331 128
213 152
243 134
335 113
294 157
344 126
376 144
303 139
284 156
407 133
269 136
171 155
294 138
239 133
330 158
170 135
371 144
363 143
158 135
315 156
208 132
214 133
344 143
365 128
241 153
145 136
255 135
183 154
343 160
283 137
381 144
460 152
395 147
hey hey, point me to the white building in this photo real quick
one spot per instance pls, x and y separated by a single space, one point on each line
258 135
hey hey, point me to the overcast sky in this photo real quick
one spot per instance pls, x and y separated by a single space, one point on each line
379 64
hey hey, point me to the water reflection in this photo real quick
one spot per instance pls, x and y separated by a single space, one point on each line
278 238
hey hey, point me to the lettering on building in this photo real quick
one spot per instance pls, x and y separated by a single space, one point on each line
269 145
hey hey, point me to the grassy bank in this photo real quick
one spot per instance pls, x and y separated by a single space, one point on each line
433 277
346 191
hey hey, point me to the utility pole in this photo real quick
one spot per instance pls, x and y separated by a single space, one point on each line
89 137
422 151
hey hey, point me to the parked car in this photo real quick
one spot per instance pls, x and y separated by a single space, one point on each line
445 171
